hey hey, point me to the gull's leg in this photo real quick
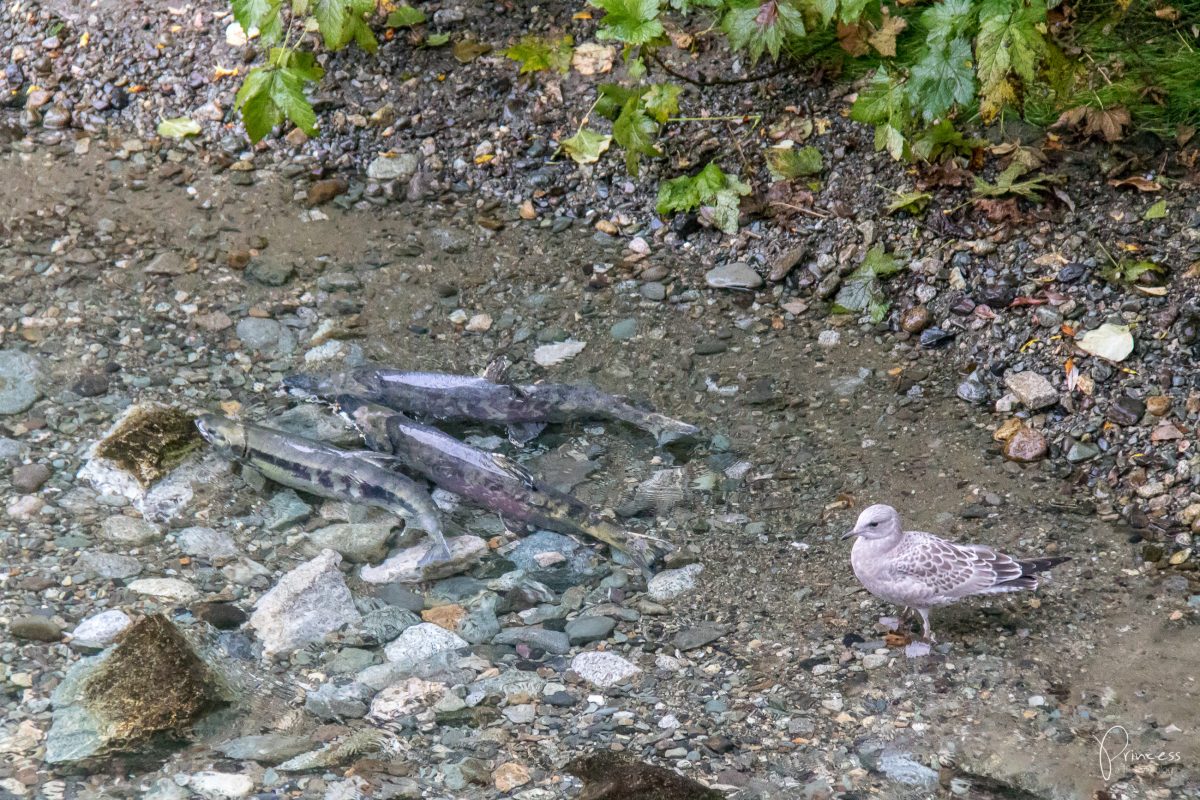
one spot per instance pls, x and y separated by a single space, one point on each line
925 627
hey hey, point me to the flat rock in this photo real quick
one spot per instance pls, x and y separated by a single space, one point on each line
206 543
35 628
129 531
671 583
420 642
168 263
266 748
112 566
20 381
603 669
1026 445
265 336
589 629
738 275
698 636
405 566
166 588
358 543
551 641
309 602
405 698
398 168
1033 390
100 630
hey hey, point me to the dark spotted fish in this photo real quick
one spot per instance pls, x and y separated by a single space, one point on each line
490 480
463 398
327 471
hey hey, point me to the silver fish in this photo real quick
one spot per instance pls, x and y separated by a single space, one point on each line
327 471
464 398
490 480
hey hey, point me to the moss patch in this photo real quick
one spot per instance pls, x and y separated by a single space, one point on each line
608 776
150 442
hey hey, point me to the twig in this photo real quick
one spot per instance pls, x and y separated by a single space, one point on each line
717 81
800 209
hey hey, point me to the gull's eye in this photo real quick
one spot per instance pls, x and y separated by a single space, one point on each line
874 524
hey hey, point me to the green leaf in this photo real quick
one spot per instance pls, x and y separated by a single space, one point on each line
259 113
287 92
685 7
1007 183
1156 211
947 20
912 202
180 127
662 101
942 78
862 291
1009 43
333 20
437 39
636 132
883 101
299 62
724 212
633 22
536 54
689 192
852 10
1131 271
762 25
360 29
586 146
786 163
406 17
944 140
613 97
260 14
825 9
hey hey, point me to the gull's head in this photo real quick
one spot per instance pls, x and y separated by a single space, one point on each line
875 522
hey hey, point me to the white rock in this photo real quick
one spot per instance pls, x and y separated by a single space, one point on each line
602 669
129 531
480 323
100 630
405 566
420 642
738 275
550 354
874 661
221 785
829 338
670 583
166 588
405 698
1033 390
307 603
206 543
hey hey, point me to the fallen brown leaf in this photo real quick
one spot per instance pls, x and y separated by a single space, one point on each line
1137 182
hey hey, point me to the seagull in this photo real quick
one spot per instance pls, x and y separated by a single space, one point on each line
918 570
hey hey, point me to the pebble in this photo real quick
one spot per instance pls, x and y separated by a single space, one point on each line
399 168
603 669
1033 390
653 291
915 319
358 543
100 630
584 630
265 336
1026 445
174 589
671 583
738 275
698 636
28 478
1159 405
35 628
221 785
405 566
624 330
206 543
551 641
269 271
420 642
20 381
306 604
129 531
1126 410
510 776
111 566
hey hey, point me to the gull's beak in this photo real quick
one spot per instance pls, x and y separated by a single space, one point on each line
848 534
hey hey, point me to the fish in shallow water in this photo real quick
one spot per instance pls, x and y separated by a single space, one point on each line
326 471
464 398
490 480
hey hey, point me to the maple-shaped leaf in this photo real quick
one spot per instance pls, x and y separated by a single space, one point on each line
662 100
760 26
689 192
536 54
633 22
586 146
942 78
850 11
1009 43
1107 122
636 132
884 38
262 15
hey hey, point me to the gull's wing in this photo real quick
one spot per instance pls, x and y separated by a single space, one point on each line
951 571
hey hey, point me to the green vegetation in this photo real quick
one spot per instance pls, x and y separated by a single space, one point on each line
930 68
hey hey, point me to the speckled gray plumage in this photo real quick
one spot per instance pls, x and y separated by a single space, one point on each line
919 570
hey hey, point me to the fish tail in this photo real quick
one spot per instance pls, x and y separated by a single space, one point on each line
665 429
618 539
